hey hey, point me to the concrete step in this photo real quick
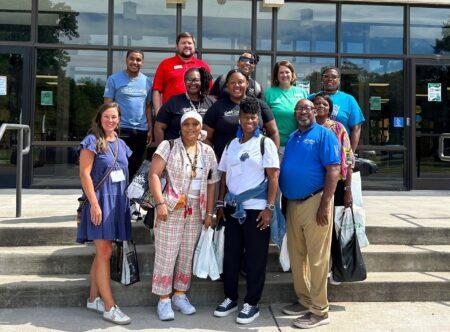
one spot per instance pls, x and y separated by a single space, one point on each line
72 290
62 231
75 259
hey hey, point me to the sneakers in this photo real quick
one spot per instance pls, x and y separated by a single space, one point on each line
294 309
310 320
165 311
225 308
116 316
97 305
181 303
331 281
247 314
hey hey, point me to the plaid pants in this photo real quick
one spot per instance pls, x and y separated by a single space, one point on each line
175 242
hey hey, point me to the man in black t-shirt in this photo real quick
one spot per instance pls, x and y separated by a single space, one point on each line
247 63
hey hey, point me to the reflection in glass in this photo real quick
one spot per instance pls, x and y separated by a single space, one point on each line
151 61
372 29
227 24
56 166
263 27
308 71
306 27
264 71
69 89
149 23
430 30
189 17
432 119
11 66
377 85
15 20
73 21
382 170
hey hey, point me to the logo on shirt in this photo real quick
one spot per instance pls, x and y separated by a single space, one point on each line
127 90
233 112
244 156
309 141
335 112
178 67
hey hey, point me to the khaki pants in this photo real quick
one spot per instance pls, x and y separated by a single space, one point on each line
309 252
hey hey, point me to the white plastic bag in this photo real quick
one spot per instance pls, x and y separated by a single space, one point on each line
219 244
343 219
284 255
205 262
357 189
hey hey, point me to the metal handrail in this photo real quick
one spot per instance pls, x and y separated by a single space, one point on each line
20 153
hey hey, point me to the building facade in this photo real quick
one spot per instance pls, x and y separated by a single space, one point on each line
55 57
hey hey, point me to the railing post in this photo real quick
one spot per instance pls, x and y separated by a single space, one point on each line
19 173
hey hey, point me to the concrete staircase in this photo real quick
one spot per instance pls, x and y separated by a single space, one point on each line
41 266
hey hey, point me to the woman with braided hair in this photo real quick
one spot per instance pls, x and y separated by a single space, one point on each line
196 98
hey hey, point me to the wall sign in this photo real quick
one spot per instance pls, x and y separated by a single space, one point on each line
3 81
399 122
47 98
434 92
305 85
375 103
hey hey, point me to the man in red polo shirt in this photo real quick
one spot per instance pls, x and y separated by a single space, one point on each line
169 77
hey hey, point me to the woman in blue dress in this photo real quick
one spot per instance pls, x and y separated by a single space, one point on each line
106 214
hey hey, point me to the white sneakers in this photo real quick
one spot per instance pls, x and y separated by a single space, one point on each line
181 303
114 315
97 305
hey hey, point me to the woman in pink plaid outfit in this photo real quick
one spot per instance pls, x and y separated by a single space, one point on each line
185 205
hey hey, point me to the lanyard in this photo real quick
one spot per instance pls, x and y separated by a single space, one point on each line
192 104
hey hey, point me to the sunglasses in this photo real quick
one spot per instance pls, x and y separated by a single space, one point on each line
249 60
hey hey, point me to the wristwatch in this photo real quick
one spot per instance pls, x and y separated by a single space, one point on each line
270 207
212 215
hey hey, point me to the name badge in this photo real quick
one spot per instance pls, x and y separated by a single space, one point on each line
117 176
178 67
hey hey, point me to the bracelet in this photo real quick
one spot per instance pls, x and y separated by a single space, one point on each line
161 203
347 188
218 201
212 215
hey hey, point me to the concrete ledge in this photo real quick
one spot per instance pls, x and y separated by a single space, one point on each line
72 290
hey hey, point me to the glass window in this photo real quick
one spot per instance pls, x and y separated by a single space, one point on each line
263 27
308 71
430 30
151 61
377 85
69 89
227 24
189 17
144 23
372 29
15 19
73 22
264 71
306 27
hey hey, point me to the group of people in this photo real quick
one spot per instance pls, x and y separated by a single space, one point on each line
226 151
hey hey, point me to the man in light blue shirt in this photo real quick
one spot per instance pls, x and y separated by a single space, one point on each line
345 107
132 91
308 176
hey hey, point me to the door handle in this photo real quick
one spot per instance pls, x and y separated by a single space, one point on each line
442 154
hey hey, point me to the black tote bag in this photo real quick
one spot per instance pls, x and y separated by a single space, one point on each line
124 267
348 263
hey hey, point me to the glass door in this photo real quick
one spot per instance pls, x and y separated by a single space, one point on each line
14 108
431 130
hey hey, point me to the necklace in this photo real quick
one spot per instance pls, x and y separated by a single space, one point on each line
192 104
193 163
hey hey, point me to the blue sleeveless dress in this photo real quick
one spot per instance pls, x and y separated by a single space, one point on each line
115 205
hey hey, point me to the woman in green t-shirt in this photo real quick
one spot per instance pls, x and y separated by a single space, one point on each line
282 97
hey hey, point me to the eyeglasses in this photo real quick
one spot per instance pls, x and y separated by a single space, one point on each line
193 80
331 77
306 109
249 60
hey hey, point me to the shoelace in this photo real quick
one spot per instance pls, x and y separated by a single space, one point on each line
226 302
118 312
246 309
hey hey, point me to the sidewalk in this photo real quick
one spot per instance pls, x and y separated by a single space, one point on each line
348 317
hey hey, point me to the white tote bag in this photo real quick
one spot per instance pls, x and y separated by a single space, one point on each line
205 263
343 219
219 244
284 255
357 189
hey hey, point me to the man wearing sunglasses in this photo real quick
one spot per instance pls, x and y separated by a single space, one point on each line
246 63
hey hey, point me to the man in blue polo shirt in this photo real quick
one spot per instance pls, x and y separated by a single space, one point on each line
308 176
131 89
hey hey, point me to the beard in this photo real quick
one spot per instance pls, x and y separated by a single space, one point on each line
304 123
185 56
